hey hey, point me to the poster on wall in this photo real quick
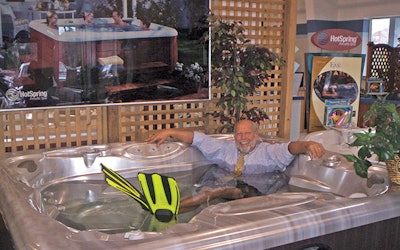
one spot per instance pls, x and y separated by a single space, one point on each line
146 51
333 89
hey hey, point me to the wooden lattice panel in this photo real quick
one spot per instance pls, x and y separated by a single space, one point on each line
383 61
396 70
51 128
139 121
264 22
380 66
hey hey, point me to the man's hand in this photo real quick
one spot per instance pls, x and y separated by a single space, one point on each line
159 137
314 149
163 135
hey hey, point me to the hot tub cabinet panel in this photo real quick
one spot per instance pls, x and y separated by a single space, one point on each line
140 50
51 52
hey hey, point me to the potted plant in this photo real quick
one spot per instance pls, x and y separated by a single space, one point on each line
237 69
382 140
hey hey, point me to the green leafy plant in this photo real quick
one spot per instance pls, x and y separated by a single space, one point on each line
237 69
383 140
155 11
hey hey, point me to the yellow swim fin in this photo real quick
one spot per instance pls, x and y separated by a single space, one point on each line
152 224
117 181
162 195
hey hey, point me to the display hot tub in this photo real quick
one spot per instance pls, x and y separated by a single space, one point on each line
73 30
74 44
59 199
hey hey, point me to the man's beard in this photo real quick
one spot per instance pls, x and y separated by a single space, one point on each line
246 148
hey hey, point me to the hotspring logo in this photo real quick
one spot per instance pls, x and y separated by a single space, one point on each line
33 95
336 39
344 40
323 38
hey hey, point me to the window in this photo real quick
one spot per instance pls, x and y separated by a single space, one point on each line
380 30
385 30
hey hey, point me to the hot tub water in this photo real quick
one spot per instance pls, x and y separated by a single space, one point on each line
94 205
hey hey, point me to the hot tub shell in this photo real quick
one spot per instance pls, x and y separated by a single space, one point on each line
252 223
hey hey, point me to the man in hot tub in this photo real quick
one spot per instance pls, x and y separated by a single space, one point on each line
117 16
262 171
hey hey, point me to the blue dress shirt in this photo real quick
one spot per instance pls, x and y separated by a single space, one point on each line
265 157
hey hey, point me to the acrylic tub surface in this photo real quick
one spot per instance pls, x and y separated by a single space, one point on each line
63 192
334 174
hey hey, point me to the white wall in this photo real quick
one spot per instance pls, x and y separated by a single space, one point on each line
340 10
359 9
321 10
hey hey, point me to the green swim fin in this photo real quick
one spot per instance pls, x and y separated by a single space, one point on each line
117 181
162 195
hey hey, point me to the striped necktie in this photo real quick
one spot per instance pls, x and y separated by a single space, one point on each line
239 165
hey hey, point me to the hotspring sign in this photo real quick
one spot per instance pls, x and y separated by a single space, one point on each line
336 39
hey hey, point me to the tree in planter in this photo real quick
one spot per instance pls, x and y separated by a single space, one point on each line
237 68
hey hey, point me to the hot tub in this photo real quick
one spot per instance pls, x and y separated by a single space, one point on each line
73 30
58 199
74 44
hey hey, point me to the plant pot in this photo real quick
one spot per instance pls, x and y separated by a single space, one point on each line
393 168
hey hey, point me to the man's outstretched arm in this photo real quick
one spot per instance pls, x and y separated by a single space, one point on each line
163 135
314 149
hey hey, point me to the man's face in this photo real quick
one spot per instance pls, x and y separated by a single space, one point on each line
245 136
115 16
89 17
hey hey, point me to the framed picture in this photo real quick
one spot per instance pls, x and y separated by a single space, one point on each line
157 54
331 76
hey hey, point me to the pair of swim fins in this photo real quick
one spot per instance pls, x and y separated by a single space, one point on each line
161 195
